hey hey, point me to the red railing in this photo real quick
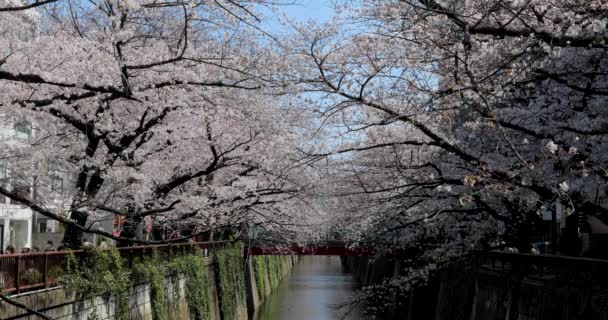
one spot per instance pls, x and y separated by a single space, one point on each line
31 271
311 251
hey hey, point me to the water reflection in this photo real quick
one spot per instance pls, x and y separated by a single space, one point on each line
311 292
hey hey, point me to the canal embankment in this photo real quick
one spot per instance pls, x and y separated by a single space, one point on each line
222 285
264 275
496 285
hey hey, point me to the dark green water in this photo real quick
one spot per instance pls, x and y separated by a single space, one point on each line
311 292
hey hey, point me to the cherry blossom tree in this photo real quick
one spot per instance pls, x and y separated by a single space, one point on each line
458 122
160 109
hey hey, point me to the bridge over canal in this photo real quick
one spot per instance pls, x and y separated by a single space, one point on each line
325 248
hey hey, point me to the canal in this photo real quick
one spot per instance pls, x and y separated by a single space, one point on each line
312 291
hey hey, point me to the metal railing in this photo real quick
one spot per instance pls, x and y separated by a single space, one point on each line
32 271
541 267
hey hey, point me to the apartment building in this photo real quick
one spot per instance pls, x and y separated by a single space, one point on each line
16 222
20 226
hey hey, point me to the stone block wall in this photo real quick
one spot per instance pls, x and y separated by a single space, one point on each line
56 303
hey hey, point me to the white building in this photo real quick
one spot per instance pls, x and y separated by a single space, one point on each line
15 219
47 182
17 222
20 227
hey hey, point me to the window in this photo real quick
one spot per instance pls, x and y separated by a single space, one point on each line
57 184
3 170
41 227
23 131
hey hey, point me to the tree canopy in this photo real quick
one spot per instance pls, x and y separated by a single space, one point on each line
430 127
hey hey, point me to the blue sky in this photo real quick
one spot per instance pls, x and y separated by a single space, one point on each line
304 10
301 11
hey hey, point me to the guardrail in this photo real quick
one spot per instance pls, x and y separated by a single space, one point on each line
518 285
541 266
32 271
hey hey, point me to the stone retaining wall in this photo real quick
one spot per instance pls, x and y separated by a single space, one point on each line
264 274
56 303
503 286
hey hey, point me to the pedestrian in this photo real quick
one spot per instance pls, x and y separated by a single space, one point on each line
10 250
49 246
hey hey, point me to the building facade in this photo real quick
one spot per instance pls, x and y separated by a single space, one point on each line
20 226
16 223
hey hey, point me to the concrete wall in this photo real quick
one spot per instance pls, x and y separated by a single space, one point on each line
57 304
268 277
524 288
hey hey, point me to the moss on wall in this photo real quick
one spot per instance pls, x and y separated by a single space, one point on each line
231 281
99 273
197 285
261 270
103 273
152 271
273 268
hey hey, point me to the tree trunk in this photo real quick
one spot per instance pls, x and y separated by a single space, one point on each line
72 237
